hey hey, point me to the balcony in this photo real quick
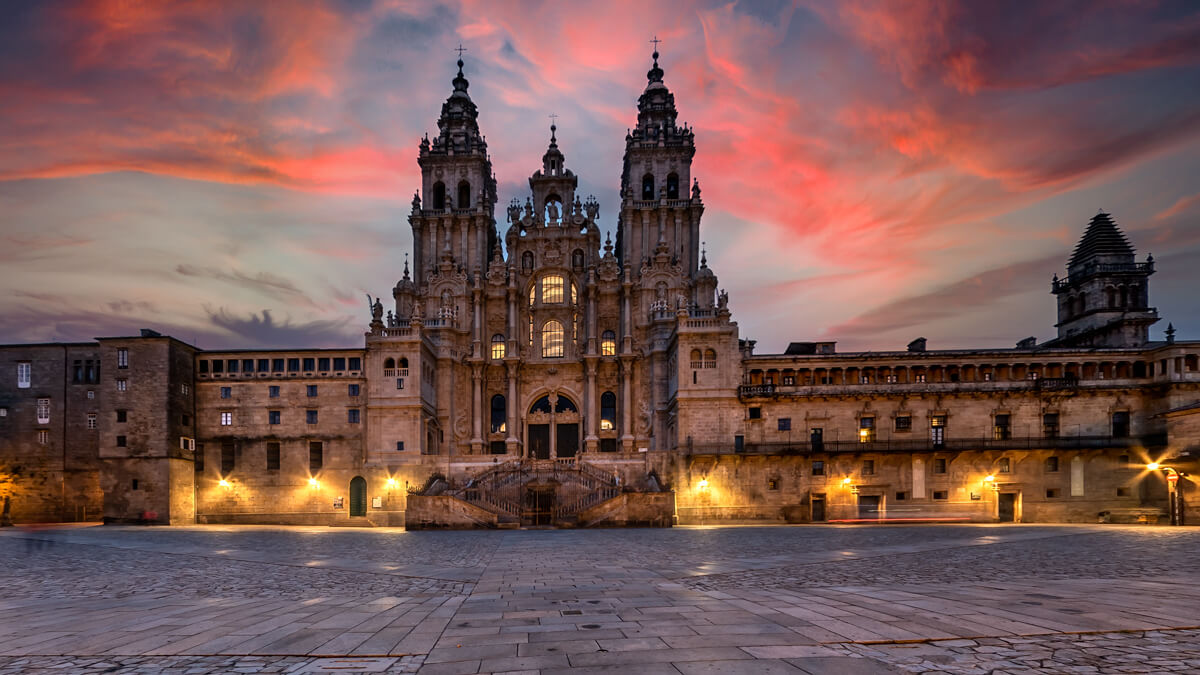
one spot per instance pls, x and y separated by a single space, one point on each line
926 445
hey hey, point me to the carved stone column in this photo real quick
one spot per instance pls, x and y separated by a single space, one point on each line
477 414
512 442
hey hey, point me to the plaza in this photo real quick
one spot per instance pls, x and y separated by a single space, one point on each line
798 599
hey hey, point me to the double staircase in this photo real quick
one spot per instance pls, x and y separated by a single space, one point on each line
538 491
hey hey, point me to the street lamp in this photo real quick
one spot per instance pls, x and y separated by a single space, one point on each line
1174 499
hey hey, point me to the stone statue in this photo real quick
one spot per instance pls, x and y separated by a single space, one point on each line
514 211
578 210
528 207
552 213
391 320
695 189
376 310
416 202
593 208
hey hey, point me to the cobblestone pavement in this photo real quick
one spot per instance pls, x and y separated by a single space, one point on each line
801 599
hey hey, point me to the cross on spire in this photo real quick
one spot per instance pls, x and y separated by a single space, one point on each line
655 42
460 49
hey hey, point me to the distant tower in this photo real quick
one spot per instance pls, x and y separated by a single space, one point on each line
1104 300
452 217
659 201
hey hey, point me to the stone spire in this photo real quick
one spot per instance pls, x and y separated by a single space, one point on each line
1103 242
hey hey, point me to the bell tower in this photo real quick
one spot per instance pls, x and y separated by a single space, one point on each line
1104 299
453 214
660 199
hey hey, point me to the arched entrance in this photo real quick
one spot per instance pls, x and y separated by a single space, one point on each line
358 496
552 428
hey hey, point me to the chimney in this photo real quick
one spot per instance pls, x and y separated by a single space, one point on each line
917 345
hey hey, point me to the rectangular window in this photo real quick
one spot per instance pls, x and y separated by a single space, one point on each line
353 390
1002 427
273 391
941 495
91 394
92 371
1051 464
739 443
24 374
233 365
864 379
866 429
226 419
311 389
43 436
185 389
755 413
264 365
122 384
309 364
1053 493
91 420
1004 465
218 366
937 431
399 382
891 379
185 420
186 443
228 458
399 446
352 416
339 363
293 365
276 365
939 465
310 416
785 424
247 365
903 423
226 392
868 467
316 455
323 363
3 412
272 456
355 363
121 442
273 416
818 468
987 377
122 416
901 496
772 483
1050 425
43 411
920 377
77 372
203 367
1032 376
1120 424
1122 492
789 380
122 358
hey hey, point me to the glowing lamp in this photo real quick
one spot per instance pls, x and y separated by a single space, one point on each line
702 484
846 480
988 479
223 483
1153 466
391 483
312 482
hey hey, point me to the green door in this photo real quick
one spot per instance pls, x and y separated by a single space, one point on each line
358 496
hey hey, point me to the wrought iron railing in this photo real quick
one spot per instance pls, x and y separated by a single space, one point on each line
803 447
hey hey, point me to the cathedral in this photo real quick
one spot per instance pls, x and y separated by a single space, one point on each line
535 373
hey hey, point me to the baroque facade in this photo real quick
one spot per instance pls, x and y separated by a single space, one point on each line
544 374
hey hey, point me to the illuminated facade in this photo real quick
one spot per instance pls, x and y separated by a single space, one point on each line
541 373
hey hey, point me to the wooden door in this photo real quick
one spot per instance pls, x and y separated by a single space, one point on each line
539 441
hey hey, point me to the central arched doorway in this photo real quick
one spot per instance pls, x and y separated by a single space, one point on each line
358 496
552 428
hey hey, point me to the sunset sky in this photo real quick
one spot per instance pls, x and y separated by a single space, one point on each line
239 174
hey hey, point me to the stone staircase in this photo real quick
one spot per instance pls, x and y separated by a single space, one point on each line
503 489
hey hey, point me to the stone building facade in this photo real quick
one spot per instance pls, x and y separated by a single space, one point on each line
540 373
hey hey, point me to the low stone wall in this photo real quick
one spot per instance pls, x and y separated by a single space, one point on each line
442 512
632 509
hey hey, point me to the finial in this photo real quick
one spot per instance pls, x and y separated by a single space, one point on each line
553 128
703 254
405 266
1170 333
460 82
655 74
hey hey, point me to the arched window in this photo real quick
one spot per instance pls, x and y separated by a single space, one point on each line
710 355
648 187
608 343
464 195
1112 297
527 261
497 346
542 405
696 358
532 294
608 411
574 294
564 404
552 289
673 186
577 260
499 414
439 195
552 340
403 362
389 364
1124 297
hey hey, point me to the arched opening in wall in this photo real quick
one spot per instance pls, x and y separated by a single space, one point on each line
464 195
672 186
389 364
648 187
527 262
1136 299
499 414
558 421
1112 297
608 343
552 340
697 359
710 358
577 260
1190 363
358 496
498 346
439 195
402 363
1124 297
608 411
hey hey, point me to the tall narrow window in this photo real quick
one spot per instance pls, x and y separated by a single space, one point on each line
352 416
608 411
866 429
608 343
1002 427
937 431
310 416
122 358
91 420
464 195
272 456
1004 465
316 455
1120 424
226 419
499 414
498 347
672 186
43 411
273 416
552 339
122 384
24 373
552 289
648 187
1050 425
439 195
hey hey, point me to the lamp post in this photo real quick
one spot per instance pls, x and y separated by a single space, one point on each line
1174 497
